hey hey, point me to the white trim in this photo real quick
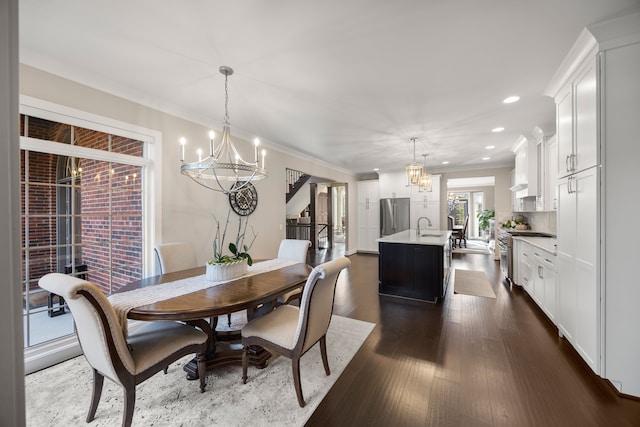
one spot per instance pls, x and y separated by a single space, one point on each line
55 351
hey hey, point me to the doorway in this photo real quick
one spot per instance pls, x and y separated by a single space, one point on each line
317 211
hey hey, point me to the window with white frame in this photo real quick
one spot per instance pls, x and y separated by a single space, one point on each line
86 209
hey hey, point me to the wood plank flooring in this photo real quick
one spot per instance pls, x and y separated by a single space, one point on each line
466 360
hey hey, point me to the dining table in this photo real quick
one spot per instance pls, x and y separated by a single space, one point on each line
188 297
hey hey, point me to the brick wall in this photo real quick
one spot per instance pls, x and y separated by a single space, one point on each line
110 201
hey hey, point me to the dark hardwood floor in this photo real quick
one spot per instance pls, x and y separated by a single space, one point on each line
464 361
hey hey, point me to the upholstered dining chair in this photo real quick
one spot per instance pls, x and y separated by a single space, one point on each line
125 361
178 256
290 331
293 250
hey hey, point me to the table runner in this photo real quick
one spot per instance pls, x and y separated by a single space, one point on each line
123 302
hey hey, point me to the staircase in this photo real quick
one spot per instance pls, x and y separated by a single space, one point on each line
295 181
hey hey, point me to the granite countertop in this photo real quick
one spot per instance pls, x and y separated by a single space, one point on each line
545 243
426 237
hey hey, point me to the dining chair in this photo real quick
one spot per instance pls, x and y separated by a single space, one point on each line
127 361
293 250
462 234
176 256
179 256
452 238
290 331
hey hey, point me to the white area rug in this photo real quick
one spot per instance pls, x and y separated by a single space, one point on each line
60 395
473 247
470 282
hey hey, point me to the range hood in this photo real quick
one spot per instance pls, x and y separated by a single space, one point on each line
519 187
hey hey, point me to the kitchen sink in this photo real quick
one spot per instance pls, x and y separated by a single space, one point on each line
430 235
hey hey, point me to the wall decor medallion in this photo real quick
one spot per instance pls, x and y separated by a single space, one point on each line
244 201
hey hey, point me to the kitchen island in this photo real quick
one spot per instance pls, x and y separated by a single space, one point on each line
415 265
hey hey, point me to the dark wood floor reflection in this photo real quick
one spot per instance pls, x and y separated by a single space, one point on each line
464 361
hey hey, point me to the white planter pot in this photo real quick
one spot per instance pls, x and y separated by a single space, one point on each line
221 272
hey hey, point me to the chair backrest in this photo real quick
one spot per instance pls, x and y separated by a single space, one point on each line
294 250
176 256
316 304
450 222
96 323
466 224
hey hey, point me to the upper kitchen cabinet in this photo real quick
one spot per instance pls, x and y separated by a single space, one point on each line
393 185
577 121
532 179
525 179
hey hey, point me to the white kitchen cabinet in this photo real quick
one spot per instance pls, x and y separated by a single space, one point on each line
393 185
577 121
545 288
578 260
430 210
597 94
368 216
550 197
525 181
523 259
426 204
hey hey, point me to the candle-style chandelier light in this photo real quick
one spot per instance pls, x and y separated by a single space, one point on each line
413 169
224 169
424 182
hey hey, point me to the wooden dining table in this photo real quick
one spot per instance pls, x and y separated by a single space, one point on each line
202 308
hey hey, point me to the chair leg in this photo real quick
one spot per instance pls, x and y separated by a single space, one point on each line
295 365
323 352
245 363
229 319
129 404
98 380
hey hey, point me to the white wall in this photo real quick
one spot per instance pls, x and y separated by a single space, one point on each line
187 208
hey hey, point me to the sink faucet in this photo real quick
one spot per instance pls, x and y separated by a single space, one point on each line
418 225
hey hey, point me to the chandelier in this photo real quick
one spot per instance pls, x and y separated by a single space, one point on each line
413 169
424 182
224 169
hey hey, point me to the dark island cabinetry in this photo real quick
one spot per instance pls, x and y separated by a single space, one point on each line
416 271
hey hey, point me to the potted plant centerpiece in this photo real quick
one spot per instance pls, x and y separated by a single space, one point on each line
234 264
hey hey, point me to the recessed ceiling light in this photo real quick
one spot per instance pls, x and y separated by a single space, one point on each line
486 158
376 169
498 129
446 162
490 147
511 99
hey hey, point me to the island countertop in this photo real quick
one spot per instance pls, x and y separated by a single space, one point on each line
411 237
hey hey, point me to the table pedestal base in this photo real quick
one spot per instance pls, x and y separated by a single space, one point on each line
258 357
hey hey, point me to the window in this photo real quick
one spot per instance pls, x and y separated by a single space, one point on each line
87 208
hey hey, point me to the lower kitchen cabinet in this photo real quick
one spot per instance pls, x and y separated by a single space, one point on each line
537 274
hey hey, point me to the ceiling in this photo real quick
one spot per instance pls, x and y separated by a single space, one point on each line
346 82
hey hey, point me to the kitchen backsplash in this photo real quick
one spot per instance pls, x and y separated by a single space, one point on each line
545 222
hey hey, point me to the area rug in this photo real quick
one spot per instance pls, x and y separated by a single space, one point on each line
471 282
473 247
60 395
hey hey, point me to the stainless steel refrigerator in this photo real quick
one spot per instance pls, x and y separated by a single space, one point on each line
394 215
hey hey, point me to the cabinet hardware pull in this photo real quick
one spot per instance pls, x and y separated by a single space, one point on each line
566 164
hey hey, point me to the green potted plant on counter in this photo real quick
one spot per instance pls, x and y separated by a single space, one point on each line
227 266
484 217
